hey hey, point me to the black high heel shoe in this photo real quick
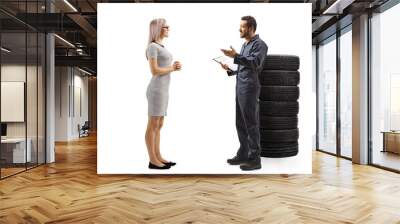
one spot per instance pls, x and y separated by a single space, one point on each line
170 164
152 166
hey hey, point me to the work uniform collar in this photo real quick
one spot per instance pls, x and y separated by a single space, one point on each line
252 39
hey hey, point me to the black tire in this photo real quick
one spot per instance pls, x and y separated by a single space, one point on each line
278 123
279 93
294 149
279 78
281 62
270 154
288 148
267 148
289 135
275 108
278 145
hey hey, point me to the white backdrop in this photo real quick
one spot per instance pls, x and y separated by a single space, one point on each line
199 131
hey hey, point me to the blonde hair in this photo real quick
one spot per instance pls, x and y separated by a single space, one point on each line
155 29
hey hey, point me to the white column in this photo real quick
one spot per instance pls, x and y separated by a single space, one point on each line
50 93
360 90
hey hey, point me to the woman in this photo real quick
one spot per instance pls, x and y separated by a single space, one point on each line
160 60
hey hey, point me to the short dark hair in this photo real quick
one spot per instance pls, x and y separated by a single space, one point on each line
250 21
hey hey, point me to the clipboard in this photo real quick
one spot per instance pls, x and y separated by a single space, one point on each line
226 60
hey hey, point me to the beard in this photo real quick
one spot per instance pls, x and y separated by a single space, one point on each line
243 34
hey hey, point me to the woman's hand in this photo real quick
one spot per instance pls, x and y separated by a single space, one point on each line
177 66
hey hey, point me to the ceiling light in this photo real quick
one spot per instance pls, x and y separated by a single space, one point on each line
64 40
338 6
84 71
5 49
70 5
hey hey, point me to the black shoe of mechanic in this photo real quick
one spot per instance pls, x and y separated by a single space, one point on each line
236 160
252 164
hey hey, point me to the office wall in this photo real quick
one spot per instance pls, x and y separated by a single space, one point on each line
71 102
80 110
33 126
62 80
12 98
17 73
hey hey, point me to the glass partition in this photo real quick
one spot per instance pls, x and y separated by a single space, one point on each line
14 153
22 101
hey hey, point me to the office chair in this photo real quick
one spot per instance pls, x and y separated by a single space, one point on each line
84 130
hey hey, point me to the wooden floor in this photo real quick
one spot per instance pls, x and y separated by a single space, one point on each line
70 191
5 172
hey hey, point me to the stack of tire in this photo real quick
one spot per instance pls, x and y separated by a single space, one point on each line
279 106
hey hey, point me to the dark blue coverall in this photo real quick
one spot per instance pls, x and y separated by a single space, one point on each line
250 63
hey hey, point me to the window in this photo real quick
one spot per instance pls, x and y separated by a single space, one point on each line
385 89
346 75
327 96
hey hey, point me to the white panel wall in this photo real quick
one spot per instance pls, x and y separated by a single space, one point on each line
17 73
12 101
70 83
62 80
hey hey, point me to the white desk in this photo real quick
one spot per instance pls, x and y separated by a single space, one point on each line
18 149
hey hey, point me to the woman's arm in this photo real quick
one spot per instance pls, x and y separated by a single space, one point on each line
156 70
